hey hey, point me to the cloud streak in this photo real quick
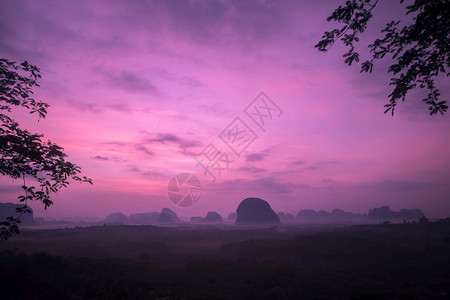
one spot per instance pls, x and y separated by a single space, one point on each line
184 145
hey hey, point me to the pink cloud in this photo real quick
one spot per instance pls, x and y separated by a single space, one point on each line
137 88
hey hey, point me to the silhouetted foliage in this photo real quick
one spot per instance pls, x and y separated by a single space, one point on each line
24 155
9 209
423 220
421 50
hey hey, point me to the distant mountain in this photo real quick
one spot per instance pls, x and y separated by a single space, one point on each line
165 218
212 216
382 213
286 217
9 210
232 216
307 214
255 211
170 212
143 218
116 218
385 213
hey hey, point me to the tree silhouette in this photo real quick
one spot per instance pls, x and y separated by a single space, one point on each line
24 155
421 51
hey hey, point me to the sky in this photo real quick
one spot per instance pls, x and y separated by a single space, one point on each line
141 91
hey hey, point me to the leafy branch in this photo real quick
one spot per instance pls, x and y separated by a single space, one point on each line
24 155
421 50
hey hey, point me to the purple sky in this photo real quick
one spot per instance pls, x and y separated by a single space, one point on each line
137 88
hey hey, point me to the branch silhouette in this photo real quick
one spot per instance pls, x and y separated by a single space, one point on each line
421 50
25 155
